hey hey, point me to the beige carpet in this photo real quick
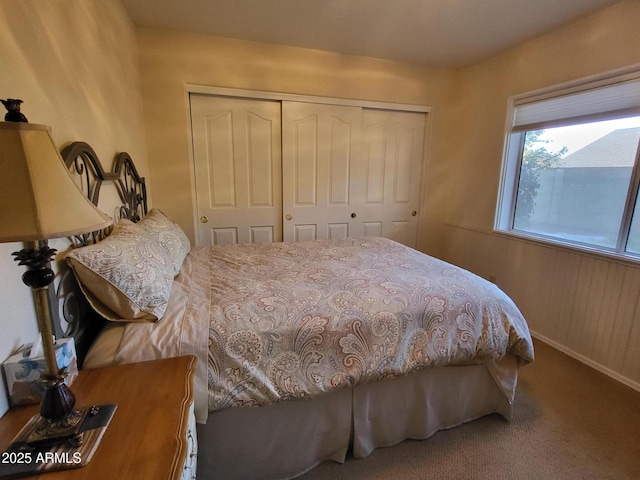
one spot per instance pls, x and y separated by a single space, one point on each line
569 422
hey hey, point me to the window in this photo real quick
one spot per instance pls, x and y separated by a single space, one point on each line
570 173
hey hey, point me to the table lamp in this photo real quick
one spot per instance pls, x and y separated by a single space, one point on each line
39 200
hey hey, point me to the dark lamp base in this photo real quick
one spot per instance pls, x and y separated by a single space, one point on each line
59 421
58 400
48 432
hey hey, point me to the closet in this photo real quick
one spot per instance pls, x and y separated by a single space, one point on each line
272 170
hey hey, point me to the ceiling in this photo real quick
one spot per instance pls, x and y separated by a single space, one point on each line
438 33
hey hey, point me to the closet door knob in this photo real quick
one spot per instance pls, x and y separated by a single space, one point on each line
288 216
353 215
203 219
414 213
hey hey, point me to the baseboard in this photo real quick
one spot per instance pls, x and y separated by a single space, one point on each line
587 361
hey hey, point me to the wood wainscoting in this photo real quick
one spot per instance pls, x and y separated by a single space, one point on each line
583 304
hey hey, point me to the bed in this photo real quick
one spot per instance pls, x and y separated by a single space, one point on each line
306 350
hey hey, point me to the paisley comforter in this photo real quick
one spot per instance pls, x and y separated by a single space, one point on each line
279 321
293 320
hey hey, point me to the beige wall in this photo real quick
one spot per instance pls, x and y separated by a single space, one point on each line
585 305
74 64
171 60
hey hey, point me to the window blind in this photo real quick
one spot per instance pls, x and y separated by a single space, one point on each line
610 101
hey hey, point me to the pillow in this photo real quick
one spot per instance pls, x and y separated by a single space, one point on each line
160 227
127 276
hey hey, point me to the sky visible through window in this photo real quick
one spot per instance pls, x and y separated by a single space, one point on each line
575 137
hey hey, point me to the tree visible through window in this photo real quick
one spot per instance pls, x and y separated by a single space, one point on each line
536 160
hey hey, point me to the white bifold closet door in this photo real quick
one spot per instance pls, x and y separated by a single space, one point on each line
237 165
340 170
351 171
322 166
393 146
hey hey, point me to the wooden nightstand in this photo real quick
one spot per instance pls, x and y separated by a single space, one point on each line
152 433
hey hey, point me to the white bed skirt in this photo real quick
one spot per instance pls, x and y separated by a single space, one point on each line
287 439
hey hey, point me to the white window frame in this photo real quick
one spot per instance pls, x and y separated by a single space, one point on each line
613 95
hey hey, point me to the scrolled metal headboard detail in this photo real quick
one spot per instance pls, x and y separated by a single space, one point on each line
84 165
73 316
131 188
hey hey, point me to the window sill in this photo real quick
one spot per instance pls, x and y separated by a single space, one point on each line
626 259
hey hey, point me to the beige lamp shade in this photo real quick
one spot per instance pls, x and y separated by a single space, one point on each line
38 198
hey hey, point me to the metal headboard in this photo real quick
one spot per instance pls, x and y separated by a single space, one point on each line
83 163
74 317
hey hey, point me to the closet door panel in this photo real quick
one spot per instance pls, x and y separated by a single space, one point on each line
321 155
375 154
341 150
238 169
220 185
304 161
393 145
